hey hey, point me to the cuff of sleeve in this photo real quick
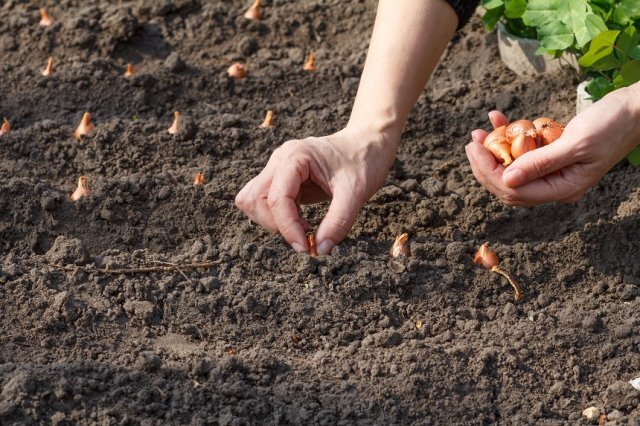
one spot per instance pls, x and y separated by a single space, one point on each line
464 9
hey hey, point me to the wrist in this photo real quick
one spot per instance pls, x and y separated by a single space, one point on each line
635 111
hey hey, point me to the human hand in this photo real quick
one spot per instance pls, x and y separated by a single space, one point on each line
347 168
591 144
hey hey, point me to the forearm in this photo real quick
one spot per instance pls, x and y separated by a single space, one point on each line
409 36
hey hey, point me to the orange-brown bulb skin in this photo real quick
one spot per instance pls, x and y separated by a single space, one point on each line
549 130
401 246
199 179
268 120
130 71
486 257
85 128
521 144
174 126
521 126
45 19
310 65
253 12
498 144
311 239
237 71
5 128
81 190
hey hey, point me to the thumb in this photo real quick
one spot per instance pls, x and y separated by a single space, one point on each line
538 163
337 223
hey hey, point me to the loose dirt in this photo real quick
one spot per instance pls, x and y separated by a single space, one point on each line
261 334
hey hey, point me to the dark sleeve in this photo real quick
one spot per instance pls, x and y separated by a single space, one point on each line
464 9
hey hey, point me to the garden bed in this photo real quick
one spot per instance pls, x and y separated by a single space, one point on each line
261 334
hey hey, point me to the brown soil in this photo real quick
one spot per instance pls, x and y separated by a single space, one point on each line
264 335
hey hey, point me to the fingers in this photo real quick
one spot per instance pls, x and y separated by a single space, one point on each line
281 200
559 186
252 200
340 217
498 119
538 163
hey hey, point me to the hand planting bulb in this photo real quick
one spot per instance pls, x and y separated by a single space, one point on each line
85 128
310 64
49 68
81 190
45 19
253 12
237 71
5 128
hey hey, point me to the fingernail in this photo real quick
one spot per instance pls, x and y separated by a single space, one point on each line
325 247
297 247
474 137
513 177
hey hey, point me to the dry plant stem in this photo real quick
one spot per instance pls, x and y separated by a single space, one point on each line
164 267
514 284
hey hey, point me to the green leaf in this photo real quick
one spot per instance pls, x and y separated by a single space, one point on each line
634 157
627 40
635 53
599 87
541 12
492 4
627 12
589 28
555 36
515 8
600 55
630 72
491 18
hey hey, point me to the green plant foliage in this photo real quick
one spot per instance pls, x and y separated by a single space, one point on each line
604 34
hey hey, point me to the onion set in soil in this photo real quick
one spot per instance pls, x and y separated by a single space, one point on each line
81 190
489 260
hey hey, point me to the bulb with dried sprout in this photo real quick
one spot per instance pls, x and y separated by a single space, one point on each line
488 259
85 128
81 190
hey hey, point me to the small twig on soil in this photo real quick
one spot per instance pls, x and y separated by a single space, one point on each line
509 278
166 267
175 266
